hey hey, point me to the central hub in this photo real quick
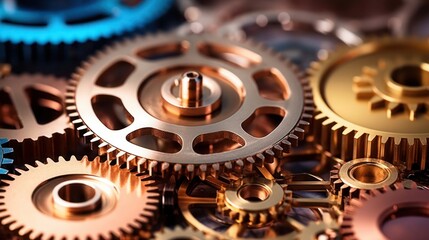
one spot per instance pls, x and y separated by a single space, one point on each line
191 94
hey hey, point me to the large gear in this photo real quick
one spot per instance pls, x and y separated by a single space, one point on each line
4 160
199 104
390 213
33 117
180 233
371 133
83 199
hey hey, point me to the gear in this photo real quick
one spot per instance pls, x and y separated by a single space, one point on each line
33 117
180 233
62 27
391 213
320 230
350 178
83 199
200 104
4 151
348 135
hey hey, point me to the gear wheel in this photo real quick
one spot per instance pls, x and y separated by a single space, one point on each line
320 230
4 151
180 233
350 178
272 205
26 24
348 135
83 199
33 117
391 213
200 104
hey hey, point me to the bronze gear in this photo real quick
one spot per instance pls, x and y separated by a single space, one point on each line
33 117
168 125
363 132
76 199
348 179
180 233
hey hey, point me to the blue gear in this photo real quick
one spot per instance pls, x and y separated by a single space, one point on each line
4 160
43 22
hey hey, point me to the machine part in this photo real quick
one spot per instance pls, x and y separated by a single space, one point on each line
320 230
301 36
366 132
33 117
82 199
264 104
254 201
180 233
351 178
392 213
4 160
33 30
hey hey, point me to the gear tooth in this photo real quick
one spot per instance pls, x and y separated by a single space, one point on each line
177 167
203 171
152 167
142 164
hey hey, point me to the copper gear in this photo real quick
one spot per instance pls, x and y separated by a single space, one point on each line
4 156
368 218
202 131
272 205
83 199
364 132
180 233
350 178
33 117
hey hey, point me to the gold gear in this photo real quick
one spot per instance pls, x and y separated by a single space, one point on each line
350 178
199 104
361 132
254 201
319 230
180 233
33 118
76 199
395 212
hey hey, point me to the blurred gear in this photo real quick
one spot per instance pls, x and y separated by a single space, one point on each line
392 213
350 178
320 230
349 135
302 36
37 29
33 117
201 104
77 199
4 153
253 201
180 233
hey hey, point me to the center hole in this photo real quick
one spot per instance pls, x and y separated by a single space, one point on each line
192 74
254 193
407 223
76 192
369 173
411 76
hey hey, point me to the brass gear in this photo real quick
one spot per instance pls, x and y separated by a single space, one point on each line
33 117
4 153
362 132
199 104
391 213
350 178
76 199
271 201
180 233
320 230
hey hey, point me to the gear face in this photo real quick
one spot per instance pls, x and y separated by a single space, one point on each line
180 233
33 117
4 160
391 213
83 199
351 178
349 135
197 104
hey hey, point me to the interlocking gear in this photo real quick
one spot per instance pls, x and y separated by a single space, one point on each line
4 153
33 117
370 133
391 213
199 104
180 233
77 199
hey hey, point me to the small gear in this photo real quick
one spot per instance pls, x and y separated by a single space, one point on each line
350 178
254 201
200 104
347 134
83 199
391 213
4 160
33 117
180 233
320 230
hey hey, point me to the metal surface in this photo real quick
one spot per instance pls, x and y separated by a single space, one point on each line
180 233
